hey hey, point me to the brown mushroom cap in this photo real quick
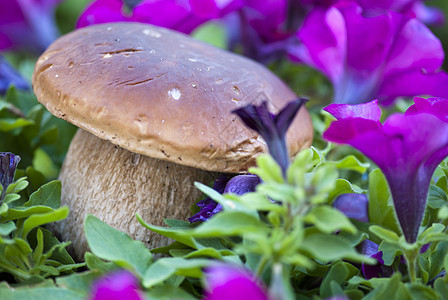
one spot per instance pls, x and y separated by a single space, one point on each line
162 94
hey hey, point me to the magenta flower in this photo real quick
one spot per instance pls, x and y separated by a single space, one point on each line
183 16
264 29
116 286
384 56
428 15
407 148
27 24
225 282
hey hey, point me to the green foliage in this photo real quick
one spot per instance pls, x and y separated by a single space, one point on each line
28 251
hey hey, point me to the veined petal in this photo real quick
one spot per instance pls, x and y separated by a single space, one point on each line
102 11
407 148
369 111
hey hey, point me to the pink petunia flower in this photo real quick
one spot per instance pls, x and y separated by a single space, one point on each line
27 24
118 285
406 147
225 282
384 57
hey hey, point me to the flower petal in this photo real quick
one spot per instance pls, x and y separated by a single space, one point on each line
369 111
225 282
116 286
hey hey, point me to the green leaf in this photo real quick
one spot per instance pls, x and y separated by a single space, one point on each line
205 252
7 228
392 288
229 202
44 293
423 264
45 218
11 124
53 248
436 259
384 234
443 213
441 288
390 252
268 169
229 224
24 212
380 211
436 197
329 247
281 192
421 292
329 220
96 264
342 186
351 163
17 186
80 282
338 273
168 292
19 249
164 268
37 253
43 163
181 235
49 136
11 198
48 195
212 33
113 245
173 223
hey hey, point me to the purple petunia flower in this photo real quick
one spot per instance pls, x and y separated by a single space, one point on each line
239 185
417 8
9 76
225 282
370 249
384 57
118 285
407 148
180 15
353 205
264 29
272 127
27 24
8 165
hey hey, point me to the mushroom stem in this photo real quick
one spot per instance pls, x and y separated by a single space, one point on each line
114 184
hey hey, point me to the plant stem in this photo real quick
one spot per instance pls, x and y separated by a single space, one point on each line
261 266
411 254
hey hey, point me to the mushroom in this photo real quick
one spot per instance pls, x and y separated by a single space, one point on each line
154 111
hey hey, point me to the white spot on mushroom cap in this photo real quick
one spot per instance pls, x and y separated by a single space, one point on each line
175 93
152 33
192 59
56 75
